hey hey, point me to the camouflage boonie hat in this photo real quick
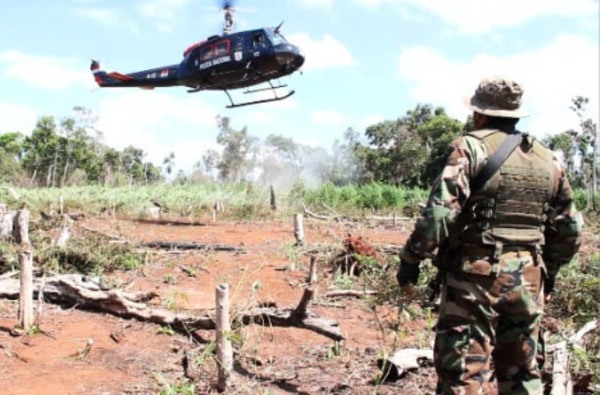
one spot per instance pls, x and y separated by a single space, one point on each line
498 97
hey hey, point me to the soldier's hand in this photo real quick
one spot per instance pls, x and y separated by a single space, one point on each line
408 274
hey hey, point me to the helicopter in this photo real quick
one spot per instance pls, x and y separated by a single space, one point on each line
231 60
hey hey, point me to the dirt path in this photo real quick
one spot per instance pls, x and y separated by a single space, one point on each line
146 359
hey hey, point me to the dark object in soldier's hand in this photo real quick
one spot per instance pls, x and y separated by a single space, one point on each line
408 274
435 286
549 285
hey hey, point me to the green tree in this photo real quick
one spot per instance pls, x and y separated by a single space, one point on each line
41 151
238 147
138 171
588 147
408 151
11 152
169 163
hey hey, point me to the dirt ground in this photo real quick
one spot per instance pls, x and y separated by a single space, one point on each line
132 357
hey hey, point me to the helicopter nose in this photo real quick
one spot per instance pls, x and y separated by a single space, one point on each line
289 56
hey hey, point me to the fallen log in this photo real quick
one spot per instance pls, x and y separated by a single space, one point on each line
166 245
336 293
175 245
562 384
87 293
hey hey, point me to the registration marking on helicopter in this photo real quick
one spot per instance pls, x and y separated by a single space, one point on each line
214 62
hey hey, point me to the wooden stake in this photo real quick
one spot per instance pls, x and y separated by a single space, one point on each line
272 198
299 229
214 215
61 205
26 318
7 220
312 276
21 227
224 347
65 231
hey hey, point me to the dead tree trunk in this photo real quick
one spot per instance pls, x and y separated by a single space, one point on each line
21 236
26 318
299 229
272 198
223 329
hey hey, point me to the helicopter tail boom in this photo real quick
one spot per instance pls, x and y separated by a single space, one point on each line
147 79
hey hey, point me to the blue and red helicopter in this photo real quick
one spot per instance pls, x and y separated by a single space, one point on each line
221 62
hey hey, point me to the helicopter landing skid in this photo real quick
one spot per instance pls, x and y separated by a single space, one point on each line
274 98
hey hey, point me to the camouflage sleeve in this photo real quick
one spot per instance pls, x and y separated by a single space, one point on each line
448 195
562 229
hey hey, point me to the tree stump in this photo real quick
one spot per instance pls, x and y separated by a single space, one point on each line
223 329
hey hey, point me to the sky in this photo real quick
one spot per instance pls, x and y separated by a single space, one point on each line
366 61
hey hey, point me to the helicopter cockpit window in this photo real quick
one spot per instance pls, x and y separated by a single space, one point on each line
276 38
221 48
206 53
259 40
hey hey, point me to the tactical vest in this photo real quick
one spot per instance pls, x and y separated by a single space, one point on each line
512 206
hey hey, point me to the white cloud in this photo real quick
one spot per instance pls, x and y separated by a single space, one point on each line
44 71
158 123
328 4
321 54
17 118
164 12
481 16
327 117
550 75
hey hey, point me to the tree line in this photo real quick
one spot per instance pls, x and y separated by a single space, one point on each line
408 151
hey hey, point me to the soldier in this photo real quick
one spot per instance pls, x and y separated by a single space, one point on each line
501 238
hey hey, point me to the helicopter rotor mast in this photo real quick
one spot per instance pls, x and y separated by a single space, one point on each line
228 11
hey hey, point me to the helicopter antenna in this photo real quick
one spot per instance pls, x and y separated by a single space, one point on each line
228 11
278 27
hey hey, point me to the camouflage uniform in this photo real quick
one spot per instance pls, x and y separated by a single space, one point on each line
495 247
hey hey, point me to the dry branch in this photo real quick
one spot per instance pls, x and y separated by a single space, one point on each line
87 293
299 317
316 216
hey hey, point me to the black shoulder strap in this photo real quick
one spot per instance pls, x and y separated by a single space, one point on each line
494 162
